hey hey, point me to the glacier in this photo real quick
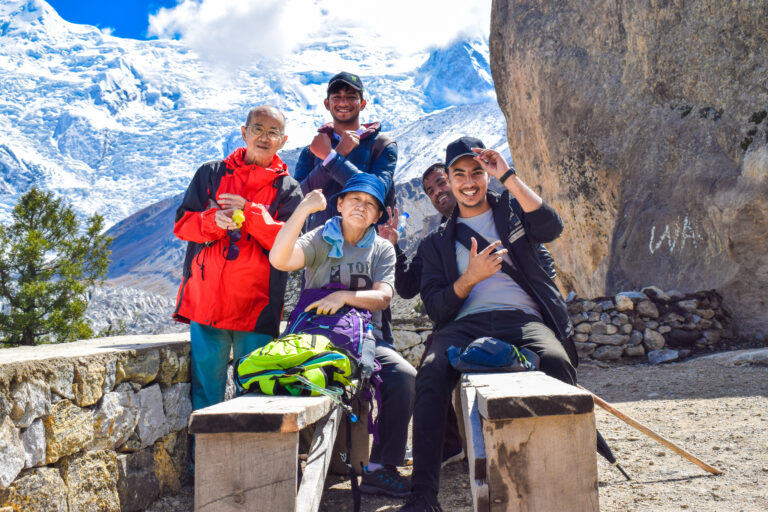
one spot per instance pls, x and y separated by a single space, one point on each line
118 126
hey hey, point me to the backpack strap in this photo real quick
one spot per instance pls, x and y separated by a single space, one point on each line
380 143
464 235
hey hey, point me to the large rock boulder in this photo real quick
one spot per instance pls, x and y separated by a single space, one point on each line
644 124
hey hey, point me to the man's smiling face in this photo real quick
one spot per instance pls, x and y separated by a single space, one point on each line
469 183
439 192
345 104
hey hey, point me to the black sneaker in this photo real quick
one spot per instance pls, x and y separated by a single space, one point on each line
385 480
453 456
417 502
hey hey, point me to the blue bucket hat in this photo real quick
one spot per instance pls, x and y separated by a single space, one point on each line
364 182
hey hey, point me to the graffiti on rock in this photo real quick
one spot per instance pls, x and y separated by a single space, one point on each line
676 236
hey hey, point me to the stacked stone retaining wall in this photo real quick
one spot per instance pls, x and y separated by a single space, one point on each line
94 425
634 326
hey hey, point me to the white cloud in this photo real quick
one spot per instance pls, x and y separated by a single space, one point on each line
232 31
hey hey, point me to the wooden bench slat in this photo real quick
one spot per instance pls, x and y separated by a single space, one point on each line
503 396
473 429
318 461
260 413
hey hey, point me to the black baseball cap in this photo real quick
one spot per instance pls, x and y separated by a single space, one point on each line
351 80
461 147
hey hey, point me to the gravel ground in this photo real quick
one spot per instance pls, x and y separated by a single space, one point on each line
716 407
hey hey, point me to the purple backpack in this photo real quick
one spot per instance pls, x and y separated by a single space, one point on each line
347 329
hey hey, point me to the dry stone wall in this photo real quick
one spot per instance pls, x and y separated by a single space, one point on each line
94 425
649 325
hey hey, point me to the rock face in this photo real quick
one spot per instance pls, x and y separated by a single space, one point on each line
644 124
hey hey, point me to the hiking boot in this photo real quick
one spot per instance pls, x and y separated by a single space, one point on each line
417 502
385 480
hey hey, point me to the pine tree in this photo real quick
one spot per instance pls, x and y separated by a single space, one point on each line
46 265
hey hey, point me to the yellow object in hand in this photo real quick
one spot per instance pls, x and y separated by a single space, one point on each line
238 218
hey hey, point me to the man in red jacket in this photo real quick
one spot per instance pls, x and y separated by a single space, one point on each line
230 215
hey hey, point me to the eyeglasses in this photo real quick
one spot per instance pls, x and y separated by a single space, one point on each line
256 130
232 251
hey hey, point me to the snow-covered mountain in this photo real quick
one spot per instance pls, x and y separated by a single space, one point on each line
146 254
118 126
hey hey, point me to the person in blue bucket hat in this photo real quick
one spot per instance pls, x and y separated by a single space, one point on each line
347 251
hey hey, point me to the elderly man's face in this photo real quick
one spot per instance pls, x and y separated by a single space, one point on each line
264 135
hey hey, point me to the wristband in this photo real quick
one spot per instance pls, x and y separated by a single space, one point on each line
506 175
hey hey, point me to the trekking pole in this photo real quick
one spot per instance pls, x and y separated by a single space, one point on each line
335 397
650 433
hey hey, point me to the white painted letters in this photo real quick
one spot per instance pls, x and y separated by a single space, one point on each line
675 235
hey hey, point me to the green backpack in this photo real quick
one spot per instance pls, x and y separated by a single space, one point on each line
296 364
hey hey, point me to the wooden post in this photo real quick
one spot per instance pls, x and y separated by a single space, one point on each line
246 451
234 474
319 458
540 439
475 447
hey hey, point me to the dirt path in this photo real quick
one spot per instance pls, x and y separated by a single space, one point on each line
714 407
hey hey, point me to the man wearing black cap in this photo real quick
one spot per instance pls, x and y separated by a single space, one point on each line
344 147
470 291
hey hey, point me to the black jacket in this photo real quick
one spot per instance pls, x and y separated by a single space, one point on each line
520 234
408 274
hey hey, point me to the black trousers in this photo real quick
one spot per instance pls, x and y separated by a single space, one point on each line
397 390
436 379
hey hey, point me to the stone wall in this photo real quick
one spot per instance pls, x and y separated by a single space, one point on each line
94 425
649 325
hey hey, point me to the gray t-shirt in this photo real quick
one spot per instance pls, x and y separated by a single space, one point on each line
357 269
498 292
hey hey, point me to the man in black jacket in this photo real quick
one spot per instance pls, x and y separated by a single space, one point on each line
467 294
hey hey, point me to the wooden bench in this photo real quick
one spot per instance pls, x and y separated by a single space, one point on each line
246 453
530 443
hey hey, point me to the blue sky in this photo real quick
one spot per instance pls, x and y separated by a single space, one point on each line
126 18
231 31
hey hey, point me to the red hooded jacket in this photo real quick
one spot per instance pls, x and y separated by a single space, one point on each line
246 293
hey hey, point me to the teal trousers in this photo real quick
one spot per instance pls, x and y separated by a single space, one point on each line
209 358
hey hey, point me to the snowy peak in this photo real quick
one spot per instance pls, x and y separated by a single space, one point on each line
457 75
114 125
36 20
